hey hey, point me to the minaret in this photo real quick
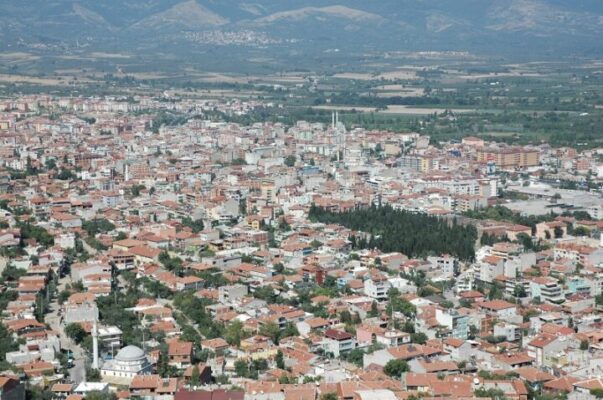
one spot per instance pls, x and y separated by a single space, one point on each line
95 346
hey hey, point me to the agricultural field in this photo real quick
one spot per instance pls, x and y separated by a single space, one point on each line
446 96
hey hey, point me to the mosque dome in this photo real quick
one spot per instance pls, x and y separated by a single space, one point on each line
130 353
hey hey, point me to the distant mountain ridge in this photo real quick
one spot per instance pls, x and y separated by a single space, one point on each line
507 26
186 15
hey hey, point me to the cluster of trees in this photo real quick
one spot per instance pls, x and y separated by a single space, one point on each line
267 294
113 311
395 368
167 119
234 333
528 128
193 309
173 264
398 304
492 393
195 224
75 332
500 213
164 369
393 230
290 160
96 226
136 189
7 344
213 278
10 274
273 331
578 231
41 235
95 243
347 98
522 238
489 240
250 369
66 175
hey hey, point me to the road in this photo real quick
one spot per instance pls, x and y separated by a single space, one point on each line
53 318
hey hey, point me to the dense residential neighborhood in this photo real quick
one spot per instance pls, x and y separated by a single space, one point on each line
147 251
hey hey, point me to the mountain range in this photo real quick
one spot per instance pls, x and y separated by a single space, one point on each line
497 27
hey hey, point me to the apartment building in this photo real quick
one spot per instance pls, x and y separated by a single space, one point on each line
508 157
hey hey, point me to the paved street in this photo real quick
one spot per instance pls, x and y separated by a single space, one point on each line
53 318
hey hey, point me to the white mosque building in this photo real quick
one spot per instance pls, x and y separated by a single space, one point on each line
129 362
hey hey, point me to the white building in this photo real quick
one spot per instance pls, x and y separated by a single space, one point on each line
86 387
377 287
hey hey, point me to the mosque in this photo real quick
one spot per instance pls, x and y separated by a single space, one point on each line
129 362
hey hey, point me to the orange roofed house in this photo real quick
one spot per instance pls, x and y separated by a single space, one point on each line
180 353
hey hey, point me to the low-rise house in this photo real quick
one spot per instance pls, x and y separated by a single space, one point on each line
60 391
551 230
24 326
392 338
511 361
337 342
180 353
11 388
405 352
562 385
189 283
546 289
122 259
514 389
435 366
377 287
81 307
546 349
153 386
218 394
231 293
145 254
457 323
204 370
66 220
217 345
499 308
534 377
37 368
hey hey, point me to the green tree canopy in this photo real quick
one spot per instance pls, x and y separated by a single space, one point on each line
392 230
290 161
395 368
